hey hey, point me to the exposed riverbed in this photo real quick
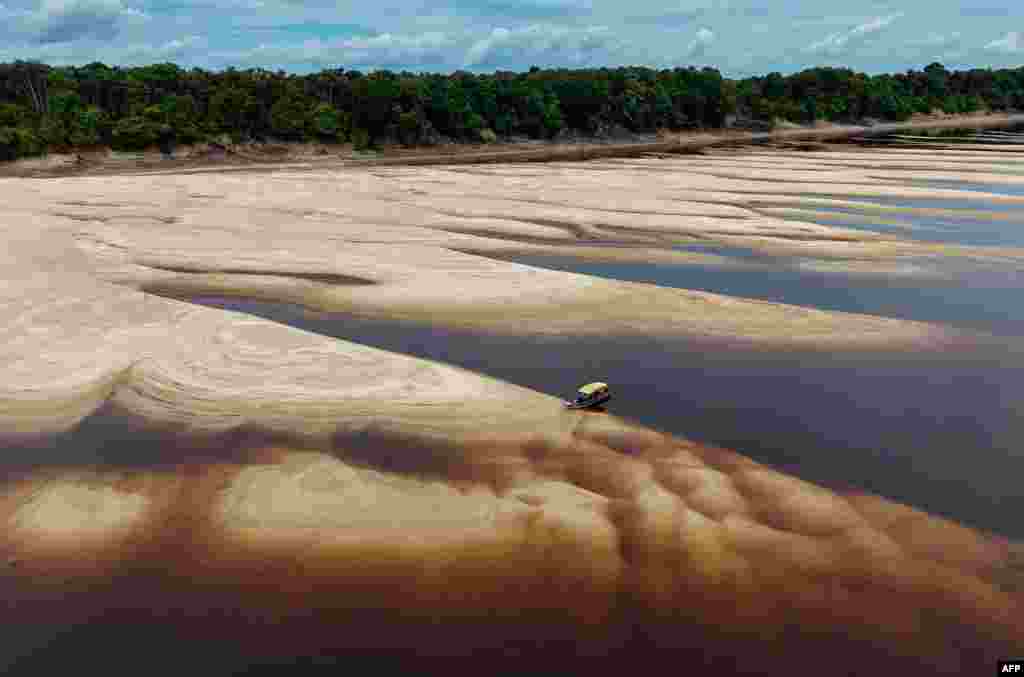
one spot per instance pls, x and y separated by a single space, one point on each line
349 436
938 431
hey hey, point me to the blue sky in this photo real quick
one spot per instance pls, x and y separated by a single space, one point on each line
741 37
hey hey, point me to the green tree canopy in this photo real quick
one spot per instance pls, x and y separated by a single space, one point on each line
43 106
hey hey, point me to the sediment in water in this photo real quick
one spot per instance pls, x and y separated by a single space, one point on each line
610 541
417 517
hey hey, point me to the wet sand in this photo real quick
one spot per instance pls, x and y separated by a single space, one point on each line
290 494
531 550
894 423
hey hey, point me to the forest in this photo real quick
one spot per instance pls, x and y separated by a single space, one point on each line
49 108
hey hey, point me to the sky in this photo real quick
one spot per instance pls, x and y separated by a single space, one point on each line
739 37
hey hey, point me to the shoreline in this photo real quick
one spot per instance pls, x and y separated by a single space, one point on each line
391 247
249 157
603 535
256 480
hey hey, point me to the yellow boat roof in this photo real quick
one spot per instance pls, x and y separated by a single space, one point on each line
592 388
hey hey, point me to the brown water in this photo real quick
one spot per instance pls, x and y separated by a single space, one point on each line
939 431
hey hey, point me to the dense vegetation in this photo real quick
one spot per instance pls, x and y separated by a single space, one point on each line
43 107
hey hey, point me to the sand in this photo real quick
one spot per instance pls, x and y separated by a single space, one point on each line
420 514
609 541
83 256
413 234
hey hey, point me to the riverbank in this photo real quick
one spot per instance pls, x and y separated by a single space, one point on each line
243 157
232 478
416 244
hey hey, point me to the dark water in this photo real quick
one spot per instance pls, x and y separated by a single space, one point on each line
986 301
730 252
949 229
938 431
972 186
110 439
962 222
966 294
966 202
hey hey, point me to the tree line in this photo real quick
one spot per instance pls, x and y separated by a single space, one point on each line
59 108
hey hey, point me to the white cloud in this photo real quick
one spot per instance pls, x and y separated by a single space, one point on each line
1010 43
482 48
836 44
125 54
174 47
68 20
387 50
553 45
700 43
137 54
752 36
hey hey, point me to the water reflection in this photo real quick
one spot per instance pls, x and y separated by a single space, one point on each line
112 439
937 431
986 300
968 203
940 220
971 186
949 228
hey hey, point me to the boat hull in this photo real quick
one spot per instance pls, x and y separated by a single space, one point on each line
587 403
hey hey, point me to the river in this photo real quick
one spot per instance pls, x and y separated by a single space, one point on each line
939 431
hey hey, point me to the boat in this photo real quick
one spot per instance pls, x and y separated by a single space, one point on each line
590 395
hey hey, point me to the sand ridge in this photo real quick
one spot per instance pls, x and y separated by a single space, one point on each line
576 536
420 516
416 244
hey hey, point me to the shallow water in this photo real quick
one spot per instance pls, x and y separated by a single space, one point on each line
949 228
969 223
109 439
958 293
727 251
932 431
985 301
938 431
962 221
972 186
